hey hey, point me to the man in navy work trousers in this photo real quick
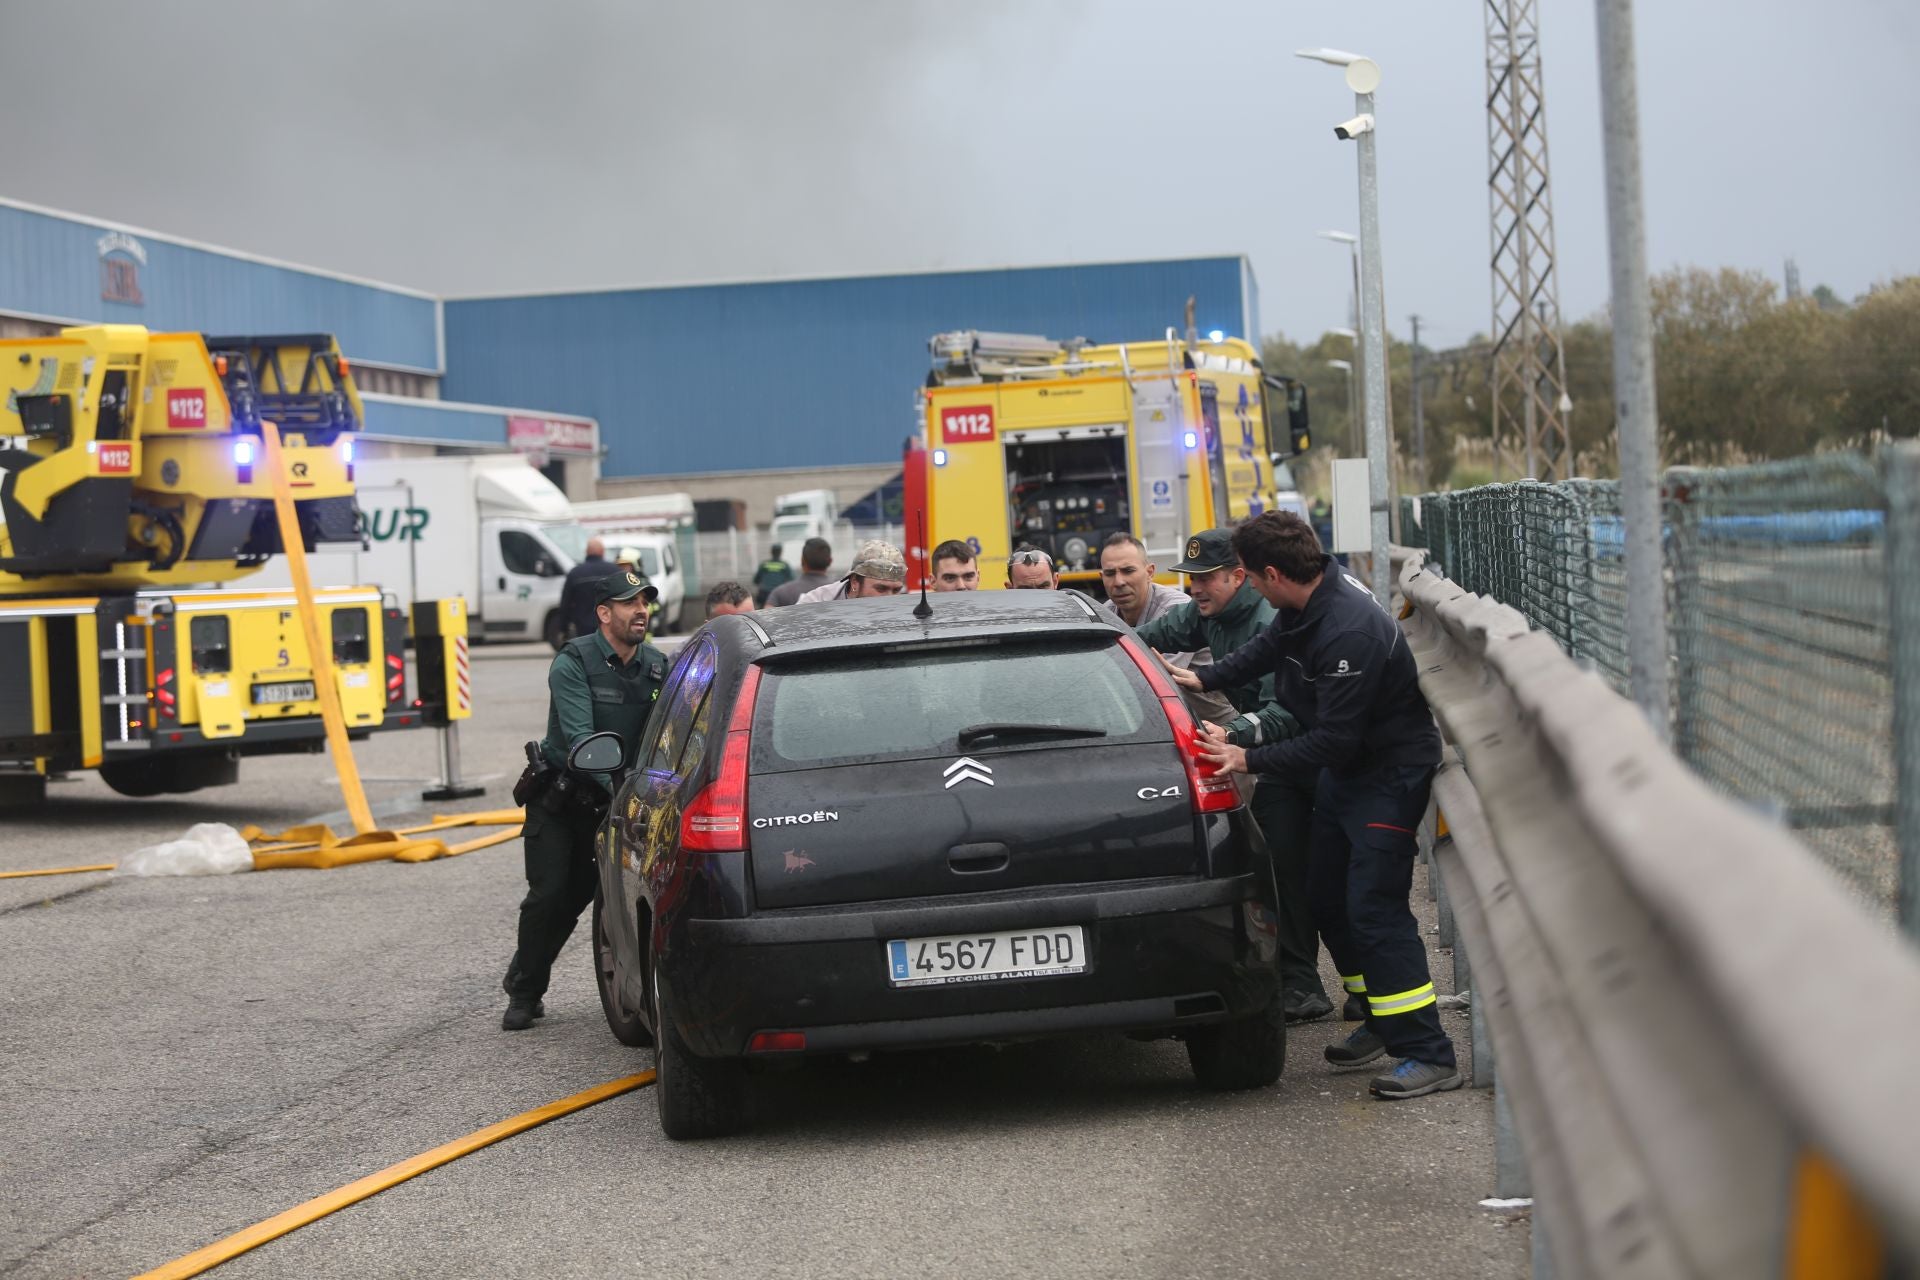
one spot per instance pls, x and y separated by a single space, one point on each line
1342 668
605 680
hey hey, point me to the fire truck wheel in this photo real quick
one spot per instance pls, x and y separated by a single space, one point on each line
171 775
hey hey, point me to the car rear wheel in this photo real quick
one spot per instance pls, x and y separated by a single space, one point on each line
628 1026
1248 1053
699 1097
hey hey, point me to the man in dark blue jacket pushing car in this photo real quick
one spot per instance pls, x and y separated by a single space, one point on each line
1343 670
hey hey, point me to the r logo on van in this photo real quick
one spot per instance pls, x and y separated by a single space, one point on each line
396 524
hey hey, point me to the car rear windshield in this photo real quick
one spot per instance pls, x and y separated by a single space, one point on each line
916 702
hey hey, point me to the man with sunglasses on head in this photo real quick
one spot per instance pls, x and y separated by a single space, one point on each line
1031 569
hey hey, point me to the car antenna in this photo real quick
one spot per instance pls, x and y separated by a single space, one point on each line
923 610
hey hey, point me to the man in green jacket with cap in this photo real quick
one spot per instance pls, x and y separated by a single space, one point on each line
1224 613
607 679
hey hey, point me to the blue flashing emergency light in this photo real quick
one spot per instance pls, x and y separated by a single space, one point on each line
1191 439
939 457
243 453
1218 335
346 452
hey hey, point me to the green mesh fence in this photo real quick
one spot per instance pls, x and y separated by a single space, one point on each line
1782 676
1551 551
1783 683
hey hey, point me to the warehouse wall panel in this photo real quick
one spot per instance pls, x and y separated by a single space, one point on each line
794 373
51 267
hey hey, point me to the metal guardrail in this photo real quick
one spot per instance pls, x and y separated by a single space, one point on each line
1705 1044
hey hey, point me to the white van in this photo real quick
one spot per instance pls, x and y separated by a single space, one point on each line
655 553
487 527
660 530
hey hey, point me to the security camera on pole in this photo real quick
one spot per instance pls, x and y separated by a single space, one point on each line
1363 77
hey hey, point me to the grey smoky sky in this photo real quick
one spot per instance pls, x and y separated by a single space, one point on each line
482 146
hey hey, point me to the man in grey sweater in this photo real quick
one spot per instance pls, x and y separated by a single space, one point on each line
1136 599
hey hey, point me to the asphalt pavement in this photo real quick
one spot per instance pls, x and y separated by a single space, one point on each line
186 1057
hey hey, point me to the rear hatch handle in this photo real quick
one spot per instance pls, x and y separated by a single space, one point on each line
978 859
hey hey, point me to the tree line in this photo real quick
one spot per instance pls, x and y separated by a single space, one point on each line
1742 374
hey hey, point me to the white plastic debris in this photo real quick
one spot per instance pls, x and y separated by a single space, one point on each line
208 849
1523 1202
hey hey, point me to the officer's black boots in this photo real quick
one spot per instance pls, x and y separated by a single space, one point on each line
521 1013
1305 1006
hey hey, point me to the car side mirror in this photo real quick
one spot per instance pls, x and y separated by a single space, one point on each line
597 753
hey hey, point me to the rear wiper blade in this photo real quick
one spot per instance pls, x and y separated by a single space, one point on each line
975 732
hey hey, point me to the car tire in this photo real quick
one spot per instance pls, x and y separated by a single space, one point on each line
1247 1053
698 1097
629 1027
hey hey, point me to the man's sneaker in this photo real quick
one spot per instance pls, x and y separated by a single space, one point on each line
1355 1009
1414 1079
1357 1050
1305 1006
521 1013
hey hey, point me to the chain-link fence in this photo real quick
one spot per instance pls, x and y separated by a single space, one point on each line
1785 662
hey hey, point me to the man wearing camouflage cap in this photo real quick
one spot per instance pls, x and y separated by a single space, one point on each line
879 569
608 679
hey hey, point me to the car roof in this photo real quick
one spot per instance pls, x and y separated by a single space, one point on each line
843 624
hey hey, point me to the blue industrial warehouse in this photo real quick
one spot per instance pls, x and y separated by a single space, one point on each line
684 379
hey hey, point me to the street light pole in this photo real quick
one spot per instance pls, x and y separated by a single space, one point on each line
1352 428
1356 448
1419 416
1633 385
1352 242
1363 77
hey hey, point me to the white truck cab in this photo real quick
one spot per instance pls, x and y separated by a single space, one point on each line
811 513
487 527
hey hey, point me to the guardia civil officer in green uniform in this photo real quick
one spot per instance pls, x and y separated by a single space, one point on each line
1224 613
608 679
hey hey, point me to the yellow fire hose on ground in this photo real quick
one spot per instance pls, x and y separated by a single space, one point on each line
203 1260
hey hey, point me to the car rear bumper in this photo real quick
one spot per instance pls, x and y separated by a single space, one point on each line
1160 955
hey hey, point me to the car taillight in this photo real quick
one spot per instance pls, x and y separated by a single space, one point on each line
777 1042
1210 792
716 821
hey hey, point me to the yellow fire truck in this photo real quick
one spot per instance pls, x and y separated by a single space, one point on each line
133 473
1059 445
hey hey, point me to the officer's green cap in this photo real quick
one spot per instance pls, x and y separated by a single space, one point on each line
1208 550
625 585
